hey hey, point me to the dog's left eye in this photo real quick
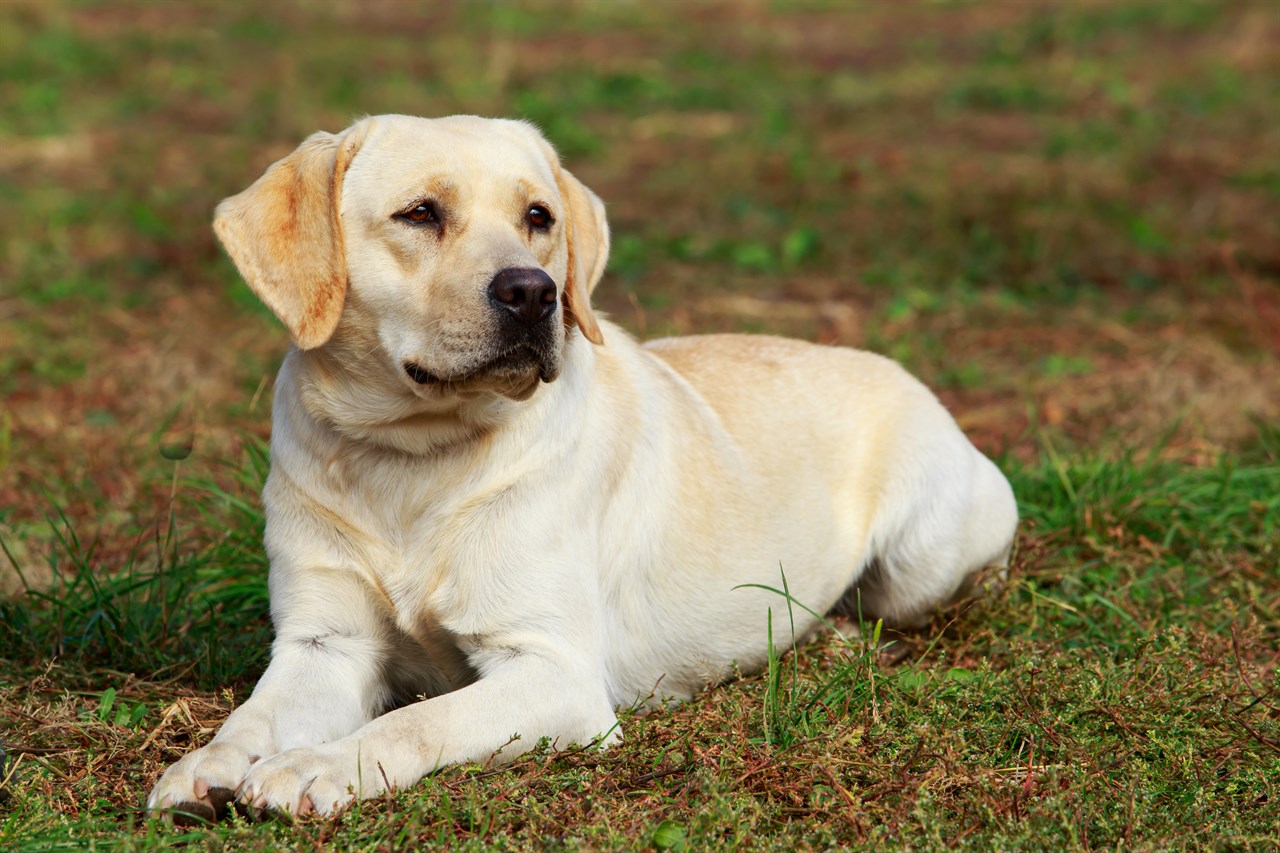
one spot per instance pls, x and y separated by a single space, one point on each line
422 213
539 218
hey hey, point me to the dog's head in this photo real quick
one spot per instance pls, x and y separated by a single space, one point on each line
457 247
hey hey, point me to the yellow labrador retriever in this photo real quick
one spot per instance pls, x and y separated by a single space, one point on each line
491 514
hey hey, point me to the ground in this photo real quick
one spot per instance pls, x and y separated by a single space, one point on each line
1064 217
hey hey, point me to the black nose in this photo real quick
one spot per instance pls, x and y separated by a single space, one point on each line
529 294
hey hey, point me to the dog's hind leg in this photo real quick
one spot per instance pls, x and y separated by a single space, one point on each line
928 550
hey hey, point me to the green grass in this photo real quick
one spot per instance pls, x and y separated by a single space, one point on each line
1061 216
166 610
1120 688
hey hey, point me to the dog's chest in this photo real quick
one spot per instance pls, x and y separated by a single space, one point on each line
430 539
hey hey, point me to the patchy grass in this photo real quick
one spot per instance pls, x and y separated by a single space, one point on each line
1062 216
1121 688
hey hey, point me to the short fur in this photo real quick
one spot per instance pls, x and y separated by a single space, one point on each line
549 523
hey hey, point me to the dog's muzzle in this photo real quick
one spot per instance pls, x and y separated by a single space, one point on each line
525 345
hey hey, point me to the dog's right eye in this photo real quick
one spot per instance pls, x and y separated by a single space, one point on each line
422 213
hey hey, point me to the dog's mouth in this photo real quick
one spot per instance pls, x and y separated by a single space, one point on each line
514 374
420 376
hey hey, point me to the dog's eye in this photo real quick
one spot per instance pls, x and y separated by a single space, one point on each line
539 218
422 213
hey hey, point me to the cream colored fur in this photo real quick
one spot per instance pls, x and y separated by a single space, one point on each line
527 542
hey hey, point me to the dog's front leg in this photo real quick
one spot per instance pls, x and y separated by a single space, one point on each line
324 682
517 702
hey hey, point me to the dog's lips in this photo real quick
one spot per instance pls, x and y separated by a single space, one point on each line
418 375
521 393
515 373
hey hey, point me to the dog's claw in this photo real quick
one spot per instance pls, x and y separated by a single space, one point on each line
220 798
210 805
192 813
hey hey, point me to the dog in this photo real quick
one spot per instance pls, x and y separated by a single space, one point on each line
493 517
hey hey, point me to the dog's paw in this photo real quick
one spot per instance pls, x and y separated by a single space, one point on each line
202 783
299 782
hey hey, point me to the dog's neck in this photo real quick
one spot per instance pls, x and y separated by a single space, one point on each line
347 395
355 397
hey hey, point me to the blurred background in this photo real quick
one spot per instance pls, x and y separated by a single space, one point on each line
1065 217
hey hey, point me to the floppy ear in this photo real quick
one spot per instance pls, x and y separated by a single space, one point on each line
285 235
588 236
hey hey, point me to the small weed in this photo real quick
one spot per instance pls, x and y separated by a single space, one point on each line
126 714
669 835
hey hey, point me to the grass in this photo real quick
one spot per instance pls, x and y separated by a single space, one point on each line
1060 215
167 605
1120 689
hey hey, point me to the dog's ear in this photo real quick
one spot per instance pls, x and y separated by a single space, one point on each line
285 235
587 231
